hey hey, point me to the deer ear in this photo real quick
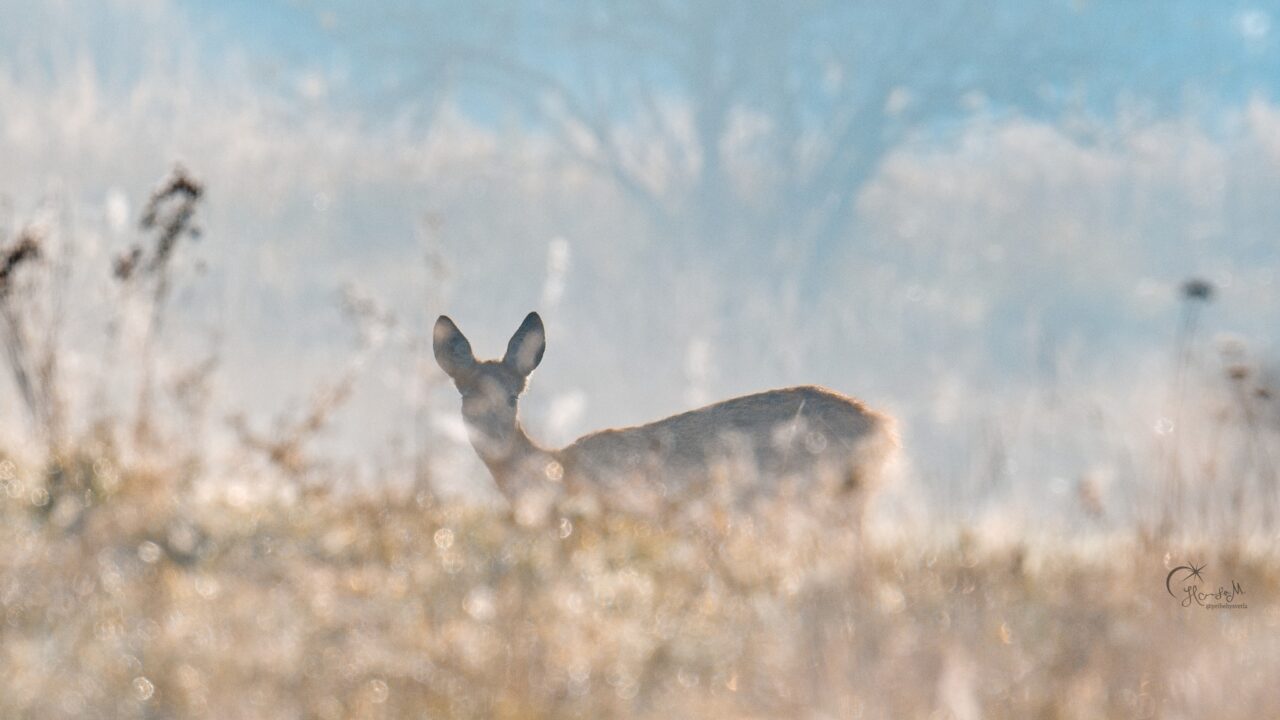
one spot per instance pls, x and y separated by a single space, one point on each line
524 351
452 350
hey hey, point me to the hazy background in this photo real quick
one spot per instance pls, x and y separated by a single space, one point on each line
976 216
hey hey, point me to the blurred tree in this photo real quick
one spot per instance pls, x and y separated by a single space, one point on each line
747 129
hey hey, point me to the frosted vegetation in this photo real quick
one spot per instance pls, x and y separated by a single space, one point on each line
233 482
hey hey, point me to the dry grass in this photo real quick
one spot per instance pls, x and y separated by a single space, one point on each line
122 599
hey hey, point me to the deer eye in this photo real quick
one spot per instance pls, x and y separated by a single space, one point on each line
511 400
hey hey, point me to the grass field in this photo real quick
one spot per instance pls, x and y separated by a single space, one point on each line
123 597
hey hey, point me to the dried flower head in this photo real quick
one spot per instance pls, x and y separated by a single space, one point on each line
25 249
171 209
1238 373
1197 289
126 263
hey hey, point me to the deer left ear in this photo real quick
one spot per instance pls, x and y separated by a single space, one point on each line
525 349
452 350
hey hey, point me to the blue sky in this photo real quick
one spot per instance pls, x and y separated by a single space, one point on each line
1144 49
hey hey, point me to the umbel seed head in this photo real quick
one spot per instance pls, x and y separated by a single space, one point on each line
1197 289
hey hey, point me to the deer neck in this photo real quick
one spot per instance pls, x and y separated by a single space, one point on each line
521 464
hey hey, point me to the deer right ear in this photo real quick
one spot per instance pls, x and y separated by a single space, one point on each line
452 350
524 350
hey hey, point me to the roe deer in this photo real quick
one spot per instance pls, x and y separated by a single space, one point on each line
797 431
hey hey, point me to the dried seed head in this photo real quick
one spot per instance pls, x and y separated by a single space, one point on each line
126 263
171 211
178 185
1238 373
25 249
1197 289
